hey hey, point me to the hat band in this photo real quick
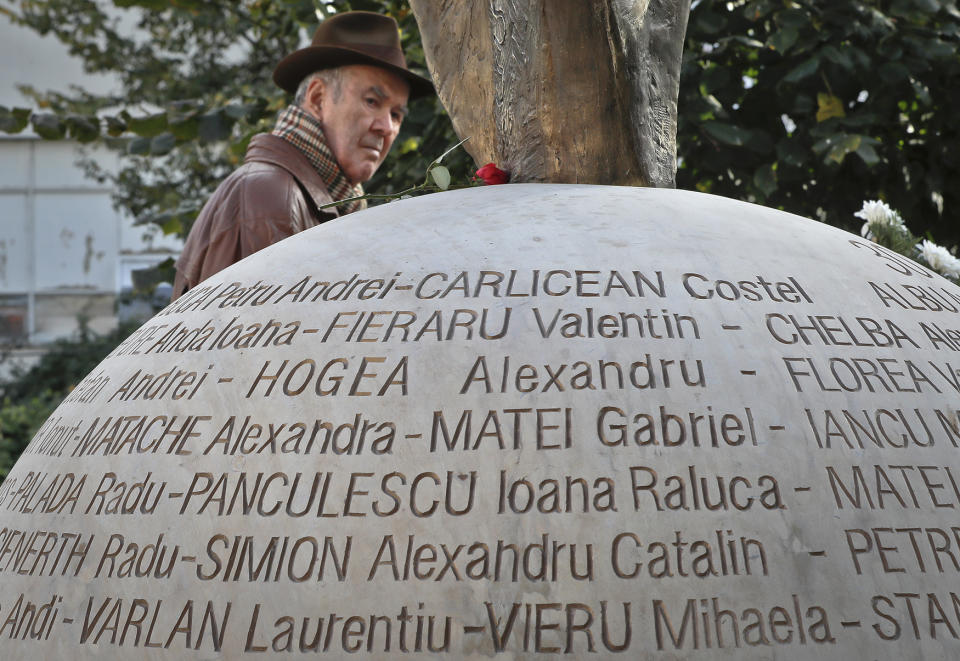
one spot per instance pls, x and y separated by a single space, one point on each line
386 53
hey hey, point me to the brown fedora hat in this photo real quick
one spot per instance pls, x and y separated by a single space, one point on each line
353 37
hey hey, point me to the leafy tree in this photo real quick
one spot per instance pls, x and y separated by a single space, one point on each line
195 87
807 106
813 107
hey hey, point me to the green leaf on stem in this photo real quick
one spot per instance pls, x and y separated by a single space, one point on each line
139 146
441 176
441 156
48 127
149 126
765 179
115 126
728 134
802 70
162 144
829 106
214 126
83 129
14 120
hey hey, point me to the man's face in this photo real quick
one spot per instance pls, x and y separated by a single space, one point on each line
362 121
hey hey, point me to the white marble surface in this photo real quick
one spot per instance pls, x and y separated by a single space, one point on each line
541 420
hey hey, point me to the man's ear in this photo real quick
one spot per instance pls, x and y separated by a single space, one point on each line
313 99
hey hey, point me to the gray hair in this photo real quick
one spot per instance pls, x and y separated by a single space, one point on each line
332 78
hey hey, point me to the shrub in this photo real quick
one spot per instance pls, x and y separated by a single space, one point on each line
30 395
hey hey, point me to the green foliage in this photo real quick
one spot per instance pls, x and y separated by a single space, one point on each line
813 107
18 423
195 87
29 396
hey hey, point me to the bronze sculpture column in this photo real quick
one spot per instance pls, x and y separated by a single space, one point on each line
562 91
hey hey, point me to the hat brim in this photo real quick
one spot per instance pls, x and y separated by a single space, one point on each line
298 65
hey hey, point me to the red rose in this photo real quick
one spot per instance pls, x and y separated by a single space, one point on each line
492 175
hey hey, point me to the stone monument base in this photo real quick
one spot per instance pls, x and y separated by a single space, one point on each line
516 421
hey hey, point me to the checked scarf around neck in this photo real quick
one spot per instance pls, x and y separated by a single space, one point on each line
306 134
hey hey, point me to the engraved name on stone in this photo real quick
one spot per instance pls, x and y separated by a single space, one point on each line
521 421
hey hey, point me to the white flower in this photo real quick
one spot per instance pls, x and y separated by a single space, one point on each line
875 212
940 259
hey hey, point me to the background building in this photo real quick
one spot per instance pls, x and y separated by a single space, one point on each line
65 253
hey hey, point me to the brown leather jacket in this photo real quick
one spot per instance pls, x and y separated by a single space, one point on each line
274 194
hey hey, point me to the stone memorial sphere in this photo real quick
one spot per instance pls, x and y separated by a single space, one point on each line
514 422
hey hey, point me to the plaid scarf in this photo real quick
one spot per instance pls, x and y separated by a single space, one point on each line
306 134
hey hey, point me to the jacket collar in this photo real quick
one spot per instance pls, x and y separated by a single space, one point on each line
267 148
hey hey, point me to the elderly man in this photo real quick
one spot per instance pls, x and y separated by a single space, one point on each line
351 89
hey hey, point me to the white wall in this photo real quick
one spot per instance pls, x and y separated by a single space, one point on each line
64 250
